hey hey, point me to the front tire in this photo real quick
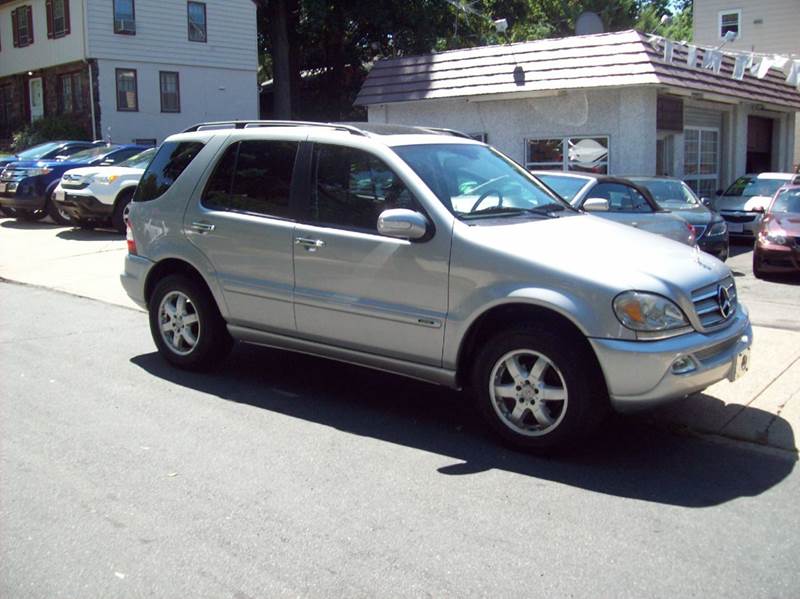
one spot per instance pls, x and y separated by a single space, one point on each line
186 325
757 266
30 216
57 214
539 389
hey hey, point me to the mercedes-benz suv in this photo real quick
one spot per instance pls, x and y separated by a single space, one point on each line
426 254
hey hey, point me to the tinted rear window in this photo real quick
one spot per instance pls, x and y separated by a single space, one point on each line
167 165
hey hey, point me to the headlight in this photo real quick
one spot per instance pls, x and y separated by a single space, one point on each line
775 238
105 179
35 172
718 228
648 312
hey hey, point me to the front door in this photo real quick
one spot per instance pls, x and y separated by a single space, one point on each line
355 288
36 98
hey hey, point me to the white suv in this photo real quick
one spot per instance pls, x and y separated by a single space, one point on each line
99 195
429 255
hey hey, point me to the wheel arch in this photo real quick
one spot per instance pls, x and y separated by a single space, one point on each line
128 189
506 315
174 266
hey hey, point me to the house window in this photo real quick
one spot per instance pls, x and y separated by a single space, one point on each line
57 18
127 99
587 154
71 88
197 21
124 17
22 26
170 92
730 20
701 160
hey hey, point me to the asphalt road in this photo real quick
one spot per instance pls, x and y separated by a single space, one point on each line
285 475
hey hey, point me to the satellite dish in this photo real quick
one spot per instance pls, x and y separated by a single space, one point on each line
588 23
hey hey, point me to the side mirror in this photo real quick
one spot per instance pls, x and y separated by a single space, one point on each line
707 203
596 205
719 192
402 224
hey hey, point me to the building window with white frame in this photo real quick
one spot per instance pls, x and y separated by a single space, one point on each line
730 21
701 159
127 96
582 154
170 91
196 12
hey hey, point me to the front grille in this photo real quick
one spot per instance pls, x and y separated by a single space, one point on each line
739 218
707 303
698 231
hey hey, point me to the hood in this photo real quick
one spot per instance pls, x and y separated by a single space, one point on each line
87 171
742 202
604 253
696 215
788 221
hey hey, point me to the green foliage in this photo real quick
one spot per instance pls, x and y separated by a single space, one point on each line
48 128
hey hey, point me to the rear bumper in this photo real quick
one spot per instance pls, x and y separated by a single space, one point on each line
134 277
717 246
639 374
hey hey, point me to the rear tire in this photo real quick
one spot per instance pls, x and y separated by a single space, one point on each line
121 209
539 388
186 324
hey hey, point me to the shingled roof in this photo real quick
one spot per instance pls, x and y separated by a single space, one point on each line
580 62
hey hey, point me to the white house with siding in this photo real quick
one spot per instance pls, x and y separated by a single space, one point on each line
763 26
128 70
550 104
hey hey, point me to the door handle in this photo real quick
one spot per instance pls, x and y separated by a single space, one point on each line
311 245
202 226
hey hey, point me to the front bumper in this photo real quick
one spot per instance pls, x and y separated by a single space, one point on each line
774 258
25 194
134 277
639 374
742 223
80 205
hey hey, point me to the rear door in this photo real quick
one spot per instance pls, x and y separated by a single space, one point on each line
243 224
355 288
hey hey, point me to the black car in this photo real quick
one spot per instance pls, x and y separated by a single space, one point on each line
710 229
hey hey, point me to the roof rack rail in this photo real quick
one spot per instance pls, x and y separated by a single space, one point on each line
452 132
212 125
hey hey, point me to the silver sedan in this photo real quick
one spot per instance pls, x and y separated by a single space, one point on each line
619 200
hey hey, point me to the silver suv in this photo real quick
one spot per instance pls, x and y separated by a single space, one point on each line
427 254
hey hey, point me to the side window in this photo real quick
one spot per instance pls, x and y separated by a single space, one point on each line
253 176
351 188
621 198
167 165
218 188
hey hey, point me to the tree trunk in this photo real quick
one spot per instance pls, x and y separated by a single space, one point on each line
279 35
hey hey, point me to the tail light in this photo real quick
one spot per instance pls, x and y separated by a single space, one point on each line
129 238
692 232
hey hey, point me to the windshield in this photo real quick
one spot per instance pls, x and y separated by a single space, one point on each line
566 187
36 152
87 155
674 195
752 186
788 200
140 160
475 181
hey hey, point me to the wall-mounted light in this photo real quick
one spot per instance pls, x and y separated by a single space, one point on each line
30 73
500 25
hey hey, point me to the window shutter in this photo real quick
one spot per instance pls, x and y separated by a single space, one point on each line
66 17
30 24
14 19
50 19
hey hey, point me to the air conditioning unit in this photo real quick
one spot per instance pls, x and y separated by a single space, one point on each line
124 26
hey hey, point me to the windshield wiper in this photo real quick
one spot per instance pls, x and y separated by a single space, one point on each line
546 208
544 211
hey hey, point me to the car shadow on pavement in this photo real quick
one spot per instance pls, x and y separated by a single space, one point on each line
630 458
28 224
89 235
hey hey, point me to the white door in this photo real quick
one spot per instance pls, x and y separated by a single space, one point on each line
36 95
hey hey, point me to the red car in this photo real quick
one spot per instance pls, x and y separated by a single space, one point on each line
777 248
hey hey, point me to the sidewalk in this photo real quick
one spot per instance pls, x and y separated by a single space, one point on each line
763 407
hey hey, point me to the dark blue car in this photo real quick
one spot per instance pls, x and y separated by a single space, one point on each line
51 150
26 186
